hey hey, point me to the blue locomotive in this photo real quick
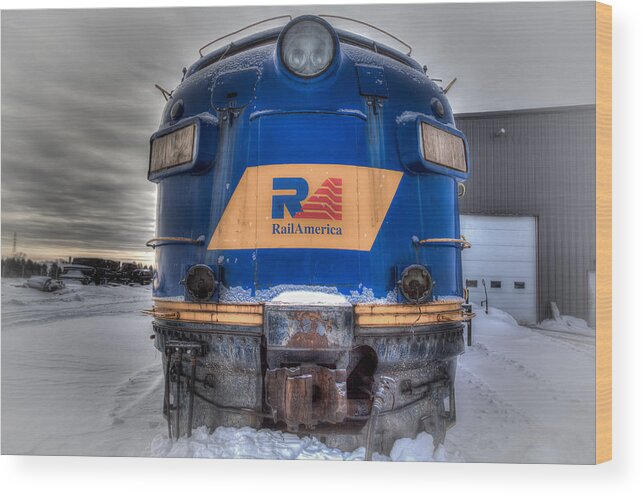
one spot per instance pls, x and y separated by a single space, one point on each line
308 249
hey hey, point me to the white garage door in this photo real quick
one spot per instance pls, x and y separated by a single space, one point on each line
503 253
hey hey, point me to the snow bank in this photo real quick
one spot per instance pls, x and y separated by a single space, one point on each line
421 449
497 319
566 323
246 442
495 322
22 304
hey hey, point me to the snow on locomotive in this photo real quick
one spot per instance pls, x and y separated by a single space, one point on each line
308 249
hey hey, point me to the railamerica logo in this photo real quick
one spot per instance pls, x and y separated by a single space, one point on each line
324 204
304 206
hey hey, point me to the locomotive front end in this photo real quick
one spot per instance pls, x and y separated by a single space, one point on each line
308 250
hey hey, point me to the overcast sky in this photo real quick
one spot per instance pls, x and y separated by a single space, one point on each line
78 102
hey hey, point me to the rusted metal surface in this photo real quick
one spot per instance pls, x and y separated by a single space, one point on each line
300 326
302 334
314 370
307 335
312 326
228 373
383 309
409 315
300 391
219 313
306 395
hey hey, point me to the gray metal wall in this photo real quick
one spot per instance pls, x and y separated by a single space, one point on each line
543 165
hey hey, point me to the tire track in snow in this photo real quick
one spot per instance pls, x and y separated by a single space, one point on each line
478 404
138 393
24 317
496 355
491 402
570 340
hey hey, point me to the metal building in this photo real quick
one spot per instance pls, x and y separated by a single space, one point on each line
537 166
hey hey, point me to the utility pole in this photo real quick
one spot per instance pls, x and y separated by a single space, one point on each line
15 242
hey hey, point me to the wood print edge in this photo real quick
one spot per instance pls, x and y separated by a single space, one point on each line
603 232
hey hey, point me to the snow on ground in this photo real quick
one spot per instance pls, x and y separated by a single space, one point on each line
80 376
228 442
524 394
79 372
568 324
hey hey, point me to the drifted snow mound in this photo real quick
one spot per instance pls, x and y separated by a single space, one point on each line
246 442
421 449
495 315
567 323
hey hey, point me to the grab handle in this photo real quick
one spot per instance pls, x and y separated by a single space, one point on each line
154 242
462 241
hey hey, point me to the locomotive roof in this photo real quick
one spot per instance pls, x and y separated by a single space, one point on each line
270 36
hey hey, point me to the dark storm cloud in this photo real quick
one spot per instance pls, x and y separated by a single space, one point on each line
77 114
78 103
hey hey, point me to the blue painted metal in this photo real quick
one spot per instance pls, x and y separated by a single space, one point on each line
234 89
372 80
339 118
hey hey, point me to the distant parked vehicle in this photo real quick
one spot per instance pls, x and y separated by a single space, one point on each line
105 271
81 273
125 272
141 276
44 283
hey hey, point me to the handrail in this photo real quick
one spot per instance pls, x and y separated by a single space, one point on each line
168 240
242 29
462 241
464 316
161 314
329 16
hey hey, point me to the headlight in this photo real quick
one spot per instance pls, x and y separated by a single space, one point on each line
443 148
190 145
200 282
173 149
416 284
307 48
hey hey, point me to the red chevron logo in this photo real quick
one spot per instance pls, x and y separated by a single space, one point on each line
325 203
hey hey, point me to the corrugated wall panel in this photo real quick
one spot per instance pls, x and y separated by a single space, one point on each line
542 165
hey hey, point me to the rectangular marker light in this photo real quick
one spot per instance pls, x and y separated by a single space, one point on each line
443 148
173 149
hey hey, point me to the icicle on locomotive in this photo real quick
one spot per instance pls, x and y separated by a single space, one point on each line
308 249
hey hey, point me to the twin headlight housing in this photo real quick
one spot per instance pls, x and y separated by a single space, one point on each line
416 284
307 46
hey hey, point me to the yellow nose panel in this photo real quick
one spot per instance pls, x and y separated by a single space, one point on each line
331 206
